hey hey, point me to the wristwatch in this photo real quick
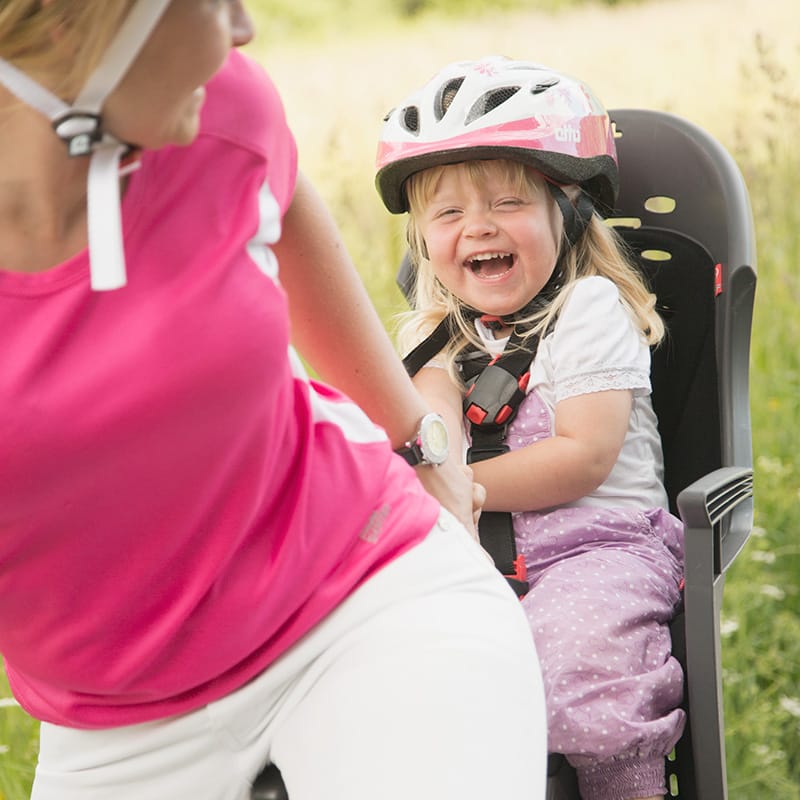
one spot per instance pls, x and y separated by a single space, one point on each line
430 445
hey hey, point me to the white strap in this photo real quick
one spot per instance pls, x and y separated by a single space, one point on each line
106 251
30 92
122 51
80 126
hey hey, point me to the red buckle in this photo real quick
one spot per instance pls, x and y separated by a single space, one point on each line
520 570
502 415
475 414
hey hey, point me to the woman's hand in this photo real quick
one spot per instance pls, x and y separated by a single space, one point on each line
452 485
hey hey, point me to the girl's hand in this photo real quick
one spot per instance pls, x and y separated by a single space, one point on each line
478 499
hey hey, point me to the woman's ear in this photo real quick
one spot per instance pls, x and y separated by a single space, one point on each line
56 32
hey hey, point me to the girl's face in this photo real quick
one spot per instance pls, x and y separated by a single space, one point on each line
491 242
158 101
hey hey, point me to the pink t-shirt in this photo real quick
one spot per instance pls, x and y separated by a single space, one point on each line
178 502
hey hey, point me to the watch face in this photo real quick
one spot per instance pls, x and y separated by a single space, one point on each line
433 439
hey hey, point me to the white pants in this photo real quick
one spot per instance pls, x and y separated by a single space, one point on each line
423 685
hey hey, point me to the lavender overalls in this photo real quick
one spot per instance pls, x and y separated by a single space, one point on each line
604 587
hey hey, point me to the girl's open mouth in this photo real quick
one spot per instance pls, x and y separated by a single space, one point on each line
490 265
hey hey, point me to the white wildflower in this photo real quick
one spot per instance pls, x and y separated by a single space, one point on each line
768 756
775 592
728 626
773 466
8 702
764 556
791 704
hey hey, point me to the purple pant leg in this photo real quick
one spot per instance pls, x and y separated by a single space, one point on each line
605 584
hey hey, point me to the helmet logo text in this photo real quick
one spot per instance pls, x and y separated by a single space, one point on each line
568 134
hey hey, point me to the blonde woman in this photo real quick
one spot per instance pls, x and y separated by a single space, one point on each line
209 562
532 331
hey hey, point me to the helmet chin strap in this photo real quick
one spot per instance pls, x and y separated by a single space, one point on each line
577 214
80 126
543 298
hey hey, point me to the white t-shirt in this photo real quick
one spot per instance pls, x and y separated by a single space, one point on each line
595 346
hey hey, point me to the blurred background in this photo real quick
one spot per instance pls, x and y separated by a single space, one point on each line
728 65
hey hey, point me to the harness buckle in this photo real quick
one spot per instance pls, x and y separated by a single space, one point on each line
518 580
481 453
494 395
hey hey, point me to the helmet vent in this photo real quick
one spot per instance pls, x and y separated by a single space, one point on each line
490 101
446 96
544 84
410 119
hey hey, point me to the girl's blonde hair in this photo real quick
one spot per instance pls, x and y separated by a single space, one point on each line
599 251
60 42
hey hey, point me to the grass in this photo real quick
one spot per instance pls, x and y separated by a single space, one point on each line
19 740
762 608
338 87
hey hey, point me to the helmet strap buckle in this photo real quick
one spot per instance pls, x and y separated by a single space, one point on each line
80 130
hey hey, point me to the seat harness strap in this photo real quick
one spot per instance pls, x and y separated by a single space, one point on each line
494 390
492 398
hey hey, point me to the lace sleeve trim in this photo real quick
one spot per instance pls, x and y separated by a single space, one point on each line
604 380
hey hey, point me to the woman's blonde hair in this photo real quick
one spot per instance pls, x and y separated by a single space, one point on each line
599 251
58 43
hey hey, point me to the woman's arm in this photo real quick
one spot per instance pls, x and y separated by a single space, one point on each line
589 432
444 397
337 330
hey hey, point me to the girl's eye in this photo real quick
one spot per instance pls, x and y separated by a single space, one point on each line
512 202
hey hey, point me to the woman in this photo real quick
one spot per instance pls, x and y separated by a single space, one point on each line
209 562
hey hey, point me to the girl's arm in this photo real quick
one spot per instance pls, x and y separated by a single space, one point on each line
336 328
589 432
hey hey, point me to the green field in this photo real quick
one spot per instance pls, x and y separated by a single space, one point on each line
341 65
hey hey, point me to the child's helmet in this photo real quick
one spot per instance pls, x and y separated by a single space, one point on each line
500 108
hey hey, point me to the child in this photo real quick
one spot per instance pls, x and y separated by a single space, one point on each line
502 166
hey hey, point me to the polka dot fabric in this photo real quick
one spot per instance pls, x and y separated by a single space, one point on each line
604 586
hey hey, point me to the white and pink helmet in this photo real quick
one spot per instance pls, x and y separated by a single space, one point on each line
500 108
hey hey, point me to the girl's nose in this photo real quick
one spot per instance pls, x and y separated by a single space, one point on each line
242 28
478 226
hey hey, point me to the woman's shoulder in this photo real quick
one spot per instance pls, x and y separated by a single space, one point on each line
243 105
244 112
